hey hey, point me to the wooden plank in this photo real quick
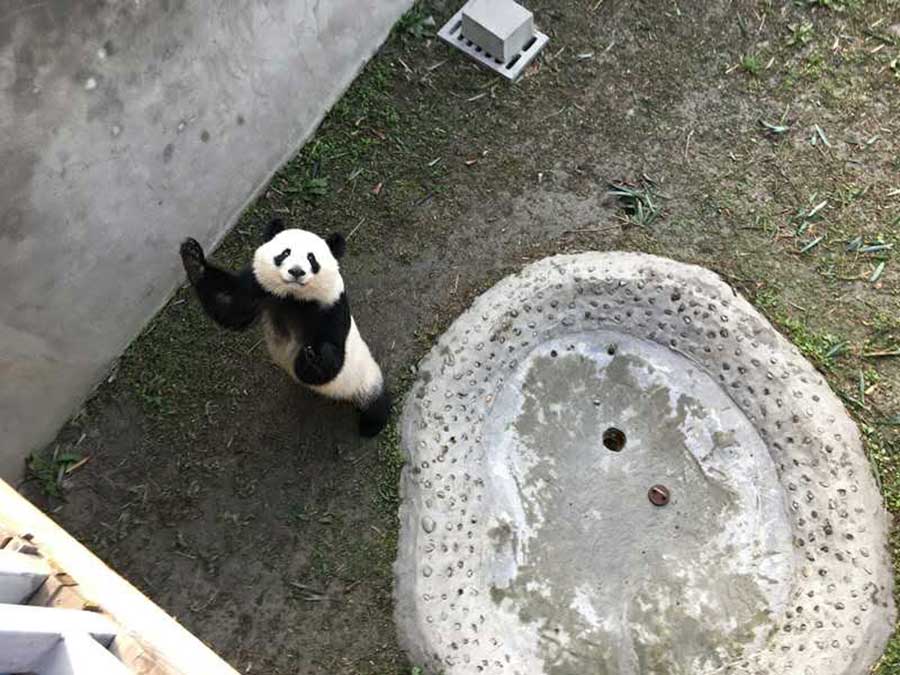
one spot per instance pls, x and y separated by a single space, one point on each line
28 634
138 658
80 654
172 646
20 576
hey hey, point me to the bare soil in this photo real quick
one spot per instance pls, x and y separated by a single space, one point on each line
253 512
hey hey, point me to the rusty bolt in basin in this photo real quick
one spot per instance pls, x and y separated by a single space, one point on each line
659 495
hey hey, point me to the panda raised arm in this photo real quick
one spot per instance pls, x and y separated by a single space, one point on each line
294 284
231 300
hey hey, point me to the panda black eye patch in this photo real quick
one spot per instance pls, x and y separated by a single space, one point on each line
314 263
281 257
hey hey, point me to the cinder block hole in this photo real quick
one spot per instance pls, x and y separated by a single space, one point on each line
614 439
456 27
509 66
529 44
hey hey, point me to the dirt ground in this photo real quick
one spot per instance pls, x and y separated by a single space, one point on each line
763 133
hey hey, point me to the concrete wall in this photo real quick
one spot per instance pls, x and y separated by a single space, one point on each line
124 126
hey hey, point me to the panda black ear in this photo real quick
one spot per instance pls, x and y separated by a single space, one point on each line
337 244
275 226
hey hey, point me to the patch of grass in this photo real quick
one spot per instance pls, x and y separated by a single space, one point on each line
391 458
890 662
416 24
835 5
815 65
308 189
640 202
184 342
391 461
752 65
884 454
800 34
49 469
822 349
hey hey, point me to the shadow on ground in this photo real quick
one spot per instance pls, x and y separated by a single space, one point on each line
764 135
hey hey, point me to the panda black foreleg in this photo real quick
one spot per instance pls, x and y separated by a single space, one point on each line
231 300
318 364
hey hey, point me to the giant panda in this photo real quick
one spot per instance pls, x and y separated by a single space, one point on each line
294 285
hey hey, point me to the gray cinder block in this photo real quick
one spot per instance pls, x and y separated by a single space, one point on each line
500 27
498 34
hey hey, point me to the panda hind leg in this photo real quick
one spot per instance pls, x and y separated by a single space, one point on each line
375 414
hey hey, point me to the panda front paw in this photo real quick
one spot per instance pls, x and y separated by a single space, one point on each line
316 367
306 366
193 259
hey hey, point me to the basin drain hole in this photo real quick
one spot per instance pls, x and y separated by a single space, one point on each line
614 439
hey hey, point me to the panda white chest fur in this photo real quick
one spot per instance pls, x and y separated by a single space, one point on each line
282 348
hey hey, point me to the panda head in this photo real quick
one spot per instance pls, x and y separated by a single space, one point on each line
300 264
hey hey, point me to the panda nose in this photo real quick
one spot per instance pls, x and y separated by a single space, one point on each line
296 272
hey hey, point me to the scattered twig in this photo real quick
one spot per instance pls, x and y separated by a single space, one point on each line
777 129
811 245
551 115
358 225
77 465
822 135
818 207
255 345
875 248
